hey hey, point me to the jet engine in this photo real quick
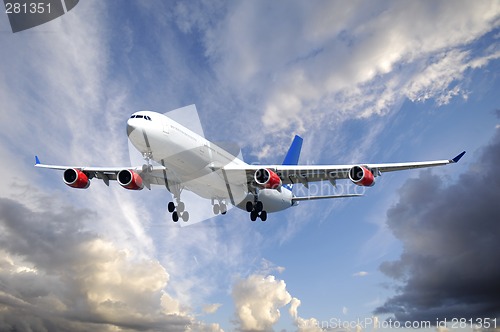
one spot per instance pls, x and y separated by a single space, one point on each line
266 178
361 176
76 178
129 179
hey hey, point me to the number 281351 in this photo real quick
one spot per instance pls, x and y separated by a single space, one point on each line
27 8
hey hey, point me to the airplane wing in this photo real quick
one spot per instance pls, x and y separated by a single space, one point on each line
156 175
305 174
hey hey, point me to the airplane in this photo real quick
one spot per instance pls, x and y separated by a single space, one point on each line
179 159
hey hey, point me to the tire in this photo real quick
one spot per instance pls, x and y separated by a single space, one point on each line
171 207
181 206
185 216
259 206
253 215
216 209
263 216
175 216
249 206
223 208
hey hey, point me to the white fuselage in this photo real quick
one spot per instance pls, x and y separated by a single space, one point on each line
197 163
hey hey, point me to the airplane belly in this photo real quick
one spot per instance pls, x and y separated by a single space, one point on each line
185 156
213 186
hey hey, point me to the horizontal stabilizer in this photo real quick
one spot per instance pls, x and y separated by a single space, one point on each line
308 198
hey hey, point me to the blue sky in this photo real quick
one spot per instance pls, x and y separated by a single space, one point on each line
360 81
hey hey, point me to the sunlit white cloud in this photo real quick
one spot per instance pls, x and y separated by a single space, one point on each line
308 64
258 300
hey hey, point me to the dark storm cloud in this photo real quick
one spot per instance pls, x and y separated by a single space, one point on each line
450 233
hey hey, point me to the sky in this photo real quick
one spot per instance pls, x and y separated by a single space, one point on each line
360 81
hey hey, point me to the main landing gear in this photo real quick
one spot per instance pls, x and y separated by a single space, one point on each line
178 211
220 207
256 210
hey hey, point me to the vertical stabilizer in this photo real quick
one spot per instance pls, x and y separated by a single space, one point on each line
293 154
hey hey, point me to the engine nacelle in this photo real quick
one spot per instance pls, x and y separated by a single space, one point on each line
129 179
361 176
76 178
266 178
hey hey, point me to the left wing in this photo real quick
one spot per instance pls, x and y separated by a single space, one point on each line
361 174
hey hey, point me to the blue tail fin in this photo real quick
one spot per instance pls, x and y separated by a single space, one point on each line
293 154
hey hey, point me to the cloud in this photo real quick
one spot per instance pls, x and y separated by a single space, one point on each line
211 308
306 64
449 233
57 276
360 274
303 325
257 300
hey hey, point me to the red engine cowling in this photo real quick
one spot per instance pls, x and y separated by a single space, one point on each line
76 178
129 179
361 176
266 178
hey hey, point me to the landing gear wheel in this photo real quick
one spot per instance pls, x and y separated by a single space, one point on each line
216 209
171 207
185 216
175 216
249 206
263 216
259 206
254 215
223 208
180 206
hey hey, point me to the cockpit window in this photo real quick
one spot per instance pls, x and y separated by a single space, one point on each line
146 117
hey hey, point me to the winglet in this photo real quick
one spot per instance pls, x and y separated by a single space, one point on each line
37 161
457 158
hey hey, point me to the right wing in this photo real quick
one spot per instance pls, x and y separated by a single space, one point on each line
130 177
